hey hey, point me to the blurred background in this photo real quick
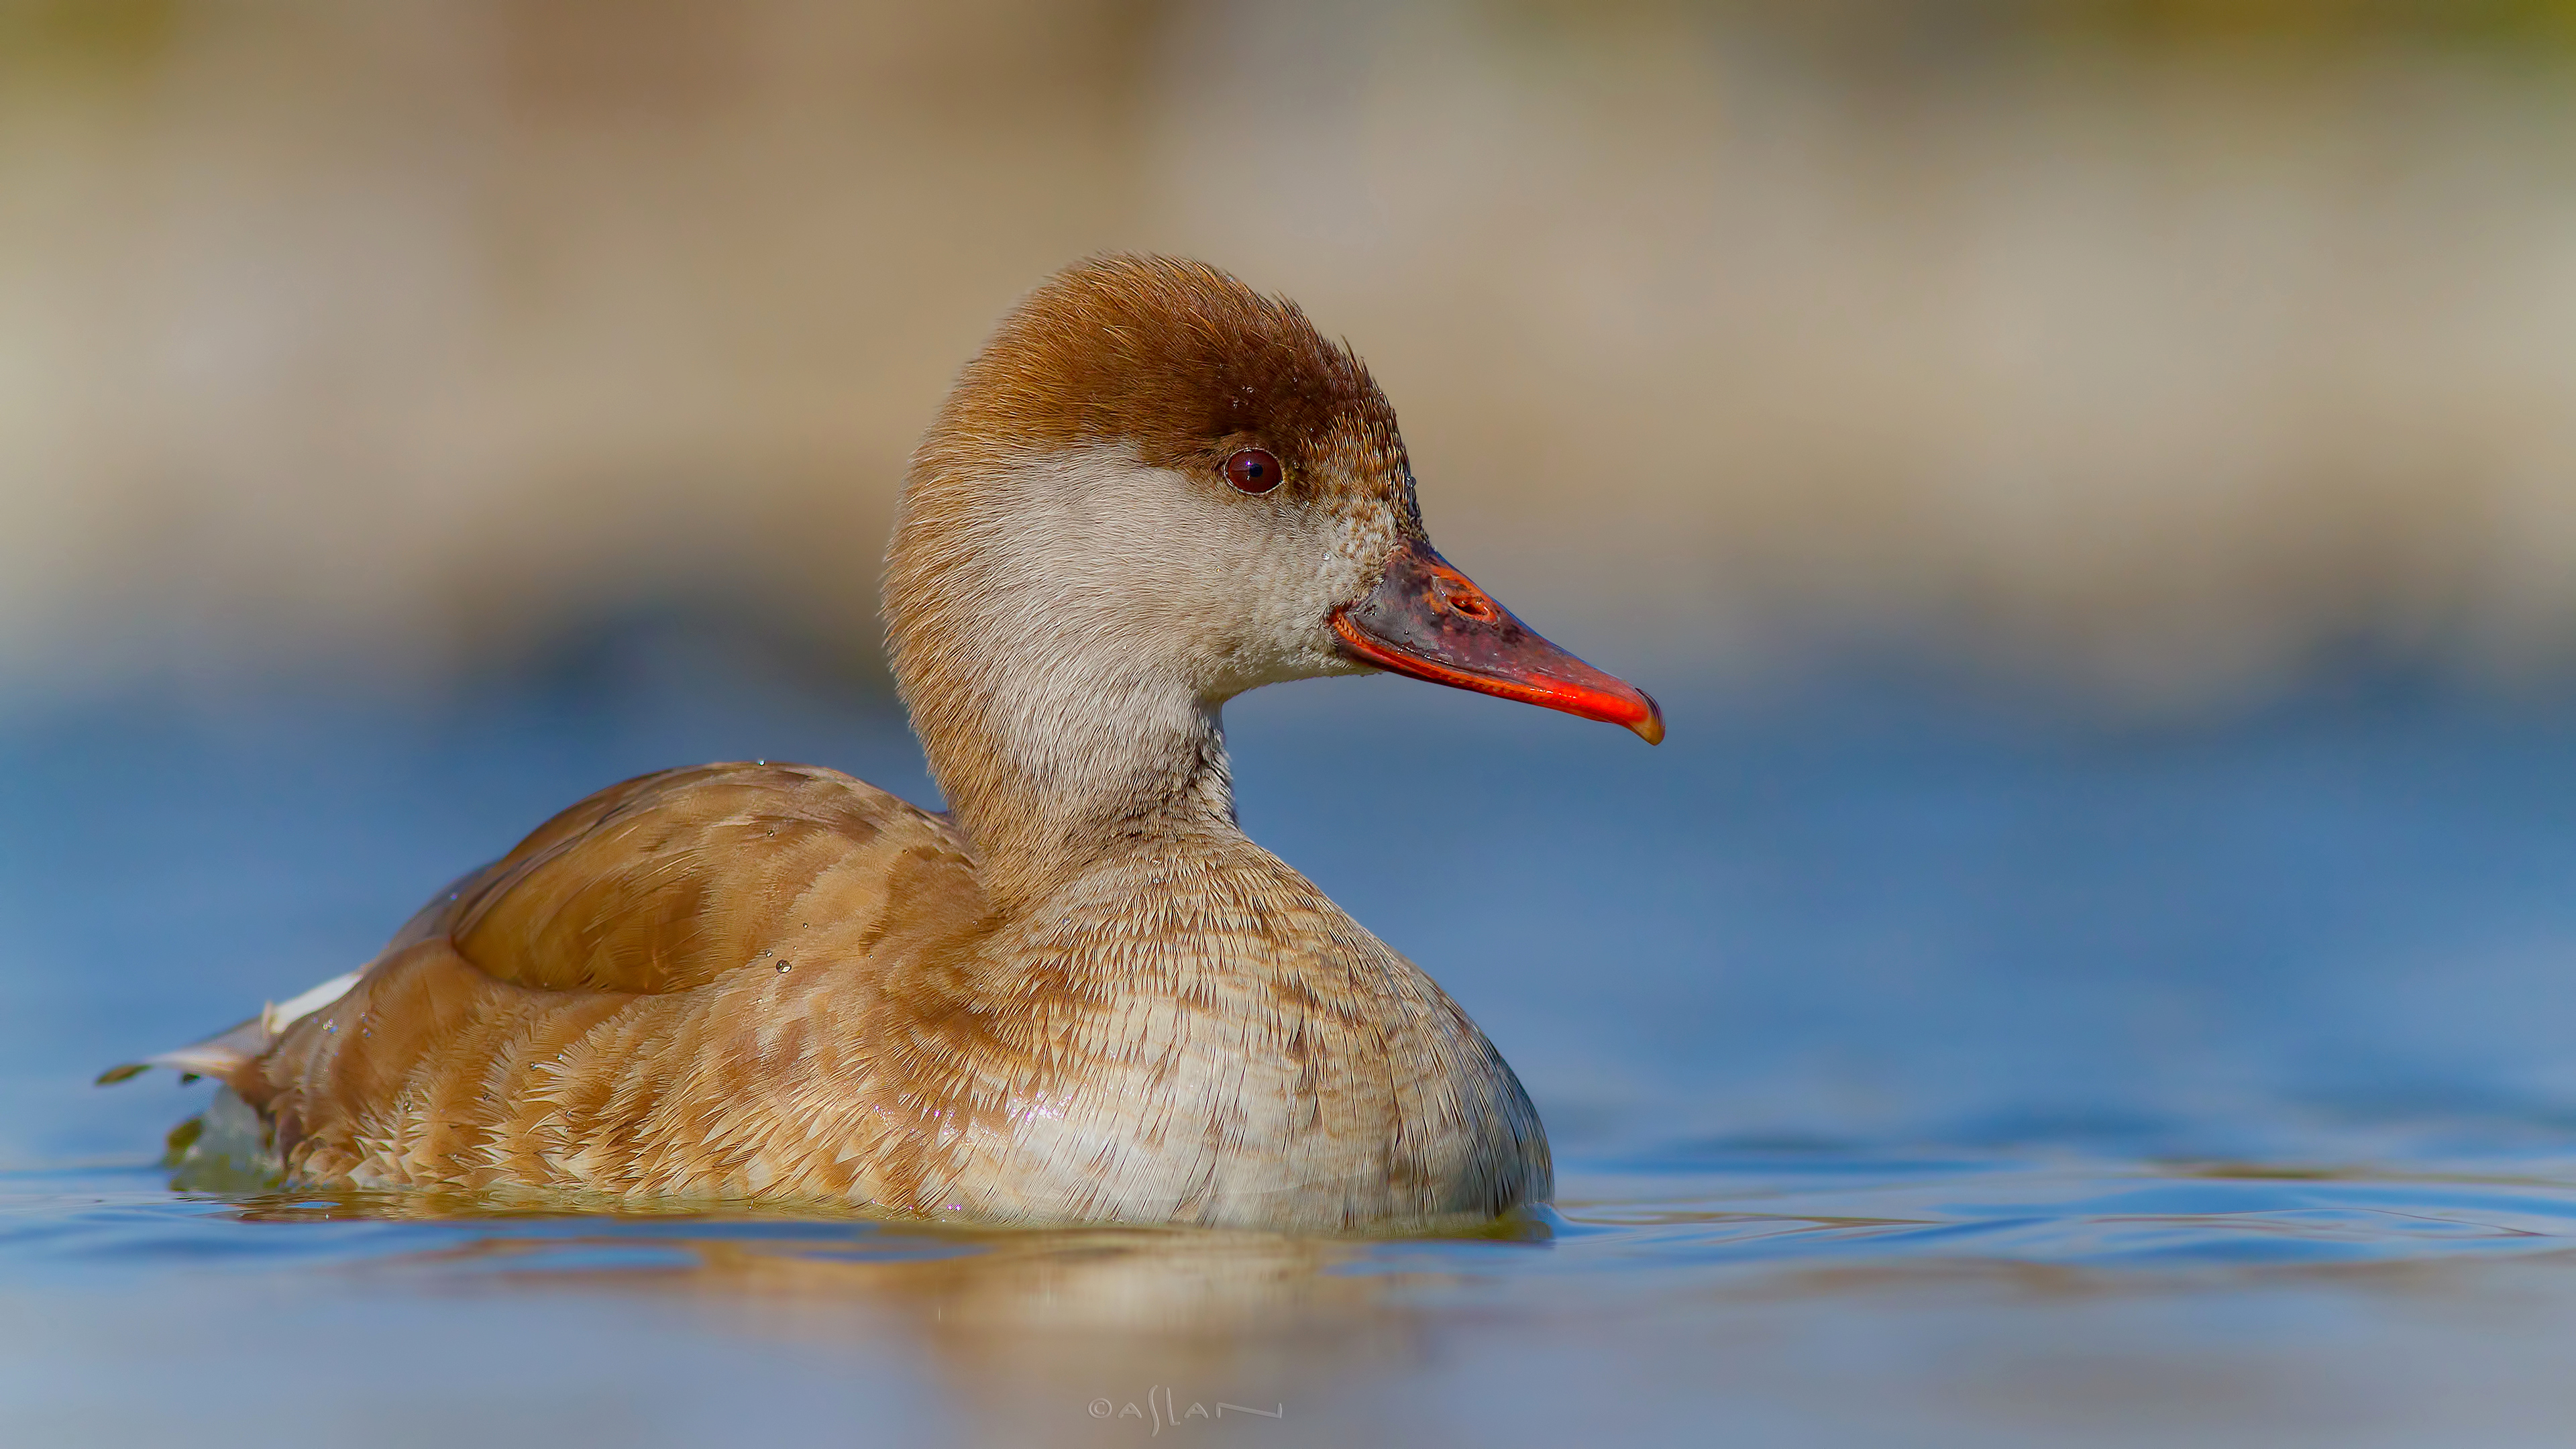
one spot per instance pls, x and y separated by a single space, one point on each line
2170 350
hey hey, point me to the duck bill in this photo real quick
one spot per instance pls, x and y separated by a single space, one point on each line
1430 621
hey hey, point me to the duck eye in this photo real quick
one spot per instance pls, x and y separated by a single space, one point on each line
1253 470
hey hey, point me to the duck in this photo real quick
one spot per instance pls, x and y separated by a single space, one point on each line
1082 995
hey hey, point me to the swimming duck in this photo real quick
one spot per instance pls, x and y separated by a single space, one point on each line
1083 995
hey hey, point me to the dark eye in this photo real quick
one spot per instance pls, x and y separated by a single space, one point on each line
1253 471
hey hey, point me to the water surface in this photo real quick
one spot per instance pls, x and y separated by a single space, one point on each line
1923 1068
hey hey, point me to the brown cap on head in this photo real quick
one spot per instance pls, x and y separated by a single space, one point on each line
1186 363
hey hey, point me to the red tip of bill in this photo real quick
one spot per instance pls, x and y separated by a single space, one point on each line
1430 621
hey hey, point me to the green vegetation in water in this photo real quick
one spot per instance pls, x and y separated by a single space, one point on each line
224 1150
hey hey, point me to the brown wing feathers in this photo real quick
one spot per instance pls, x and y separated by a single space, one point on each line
665 883
501 1039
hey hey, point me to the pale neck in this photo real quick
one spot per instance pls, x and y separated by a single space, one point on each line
1051 647
1053 770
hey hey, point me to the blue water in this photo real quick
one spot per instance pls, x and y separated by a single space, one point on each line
1925 1066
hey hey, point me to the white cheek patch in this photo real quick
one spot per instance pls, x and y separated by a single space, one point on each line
1092 551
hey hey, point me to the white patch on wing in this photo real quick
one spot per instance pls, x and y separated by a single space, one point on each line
237 1046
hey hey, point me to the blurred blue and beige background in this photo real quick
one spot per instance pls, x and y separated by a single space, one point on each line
2166 348
2094 484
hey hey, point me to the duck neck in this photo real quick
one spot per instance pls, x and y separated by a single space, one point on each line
1055 656
1054 769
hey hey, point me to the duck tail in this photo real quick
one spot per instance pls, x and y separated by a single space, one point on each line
235 1047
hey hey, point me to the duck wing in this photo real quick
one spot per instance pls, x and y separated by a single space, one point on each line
658 884
633 942
668 882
